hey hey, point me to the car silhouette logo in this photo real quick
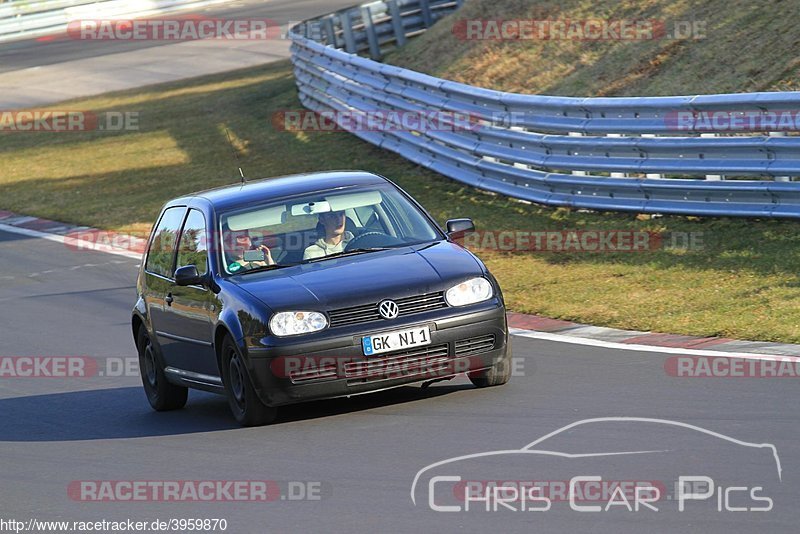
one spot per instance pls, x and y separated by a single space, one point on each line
388 309
535 448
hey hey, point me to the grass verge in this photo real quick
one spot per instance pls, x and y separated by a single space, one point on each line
735 46
740 283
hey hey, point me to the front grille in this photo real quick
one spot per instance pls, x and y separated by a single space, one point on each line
369 312
324 372
429 359
474 345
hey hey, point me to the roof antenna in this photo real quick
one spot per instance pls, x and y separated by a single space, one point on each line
236 156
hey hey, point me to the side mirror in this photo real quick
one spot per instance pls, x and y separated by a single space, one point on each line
456 228
188 276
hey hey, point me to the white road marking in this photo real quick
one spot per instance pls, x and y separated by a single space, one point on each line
60 239
563 338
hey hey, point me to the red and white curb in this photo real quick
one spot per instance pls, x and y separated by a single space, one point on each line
537 327
520 324
68 235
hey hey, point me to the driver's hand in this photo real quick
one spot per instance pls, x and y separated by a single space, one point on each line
267 254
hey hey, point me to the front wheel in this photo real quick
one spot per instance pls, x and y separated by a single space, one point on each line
497 375
247 408
162 395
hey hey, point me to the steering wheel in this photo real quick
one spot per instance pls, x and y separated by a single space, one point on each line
371 239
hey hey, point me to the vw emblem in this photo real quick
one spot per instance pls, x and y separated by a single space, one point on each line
388 309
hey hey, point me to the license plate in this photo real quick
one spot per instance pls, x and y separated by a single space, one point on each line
398 340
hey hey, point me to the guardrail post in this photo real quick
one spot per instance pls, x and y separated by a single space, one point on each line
577 173
617 174
347 28
652 174
330 31
712 177
397 23
313 30
780 178
372 36
516 163
427 17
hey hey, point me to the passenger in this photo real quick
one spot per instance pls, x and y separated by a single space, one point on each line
336 237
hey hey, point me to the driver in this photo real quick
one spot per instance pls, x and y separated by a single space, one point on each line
336 237
243 243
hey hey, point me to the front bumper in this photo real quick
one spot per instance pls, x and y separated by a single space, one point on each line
335 366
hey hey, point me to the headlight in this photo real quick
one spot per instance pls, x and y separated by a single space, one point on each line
469 292
292 323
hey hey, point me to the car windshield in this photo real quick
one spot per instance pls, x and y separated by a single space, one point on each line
321 225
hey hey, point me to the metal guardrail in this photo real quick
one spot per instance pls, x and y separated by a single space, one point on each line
624 154
22 19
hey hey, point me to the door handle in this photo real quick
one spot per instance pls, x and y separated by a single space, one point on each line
169 299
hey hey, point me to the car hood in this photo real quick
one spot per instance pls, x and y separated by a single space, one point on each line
364 278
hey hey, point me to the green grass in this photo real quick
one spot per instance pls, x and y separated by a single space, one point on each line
742 284
748 46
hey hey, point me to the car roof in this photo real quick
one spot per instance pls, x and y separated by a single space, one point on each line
274 188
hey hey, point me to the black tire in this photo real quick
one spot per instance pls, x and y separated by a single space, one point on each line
497 375
162 395
245 405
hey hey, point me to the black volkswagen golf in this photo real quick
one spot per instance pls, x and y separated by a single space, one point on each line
311 287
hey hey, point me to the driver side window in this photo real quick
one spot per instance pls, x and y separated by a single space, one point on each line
162 247
193 249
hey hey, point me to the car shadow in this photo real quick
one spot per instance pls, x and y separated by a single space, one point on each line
340 406
122 413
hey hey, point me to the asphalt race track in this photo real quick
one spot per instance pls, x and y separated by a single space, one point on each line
33 72
359 455
35 53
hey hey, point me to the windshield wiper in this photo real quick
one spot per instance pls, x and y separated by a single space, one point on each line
426 246
351 252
